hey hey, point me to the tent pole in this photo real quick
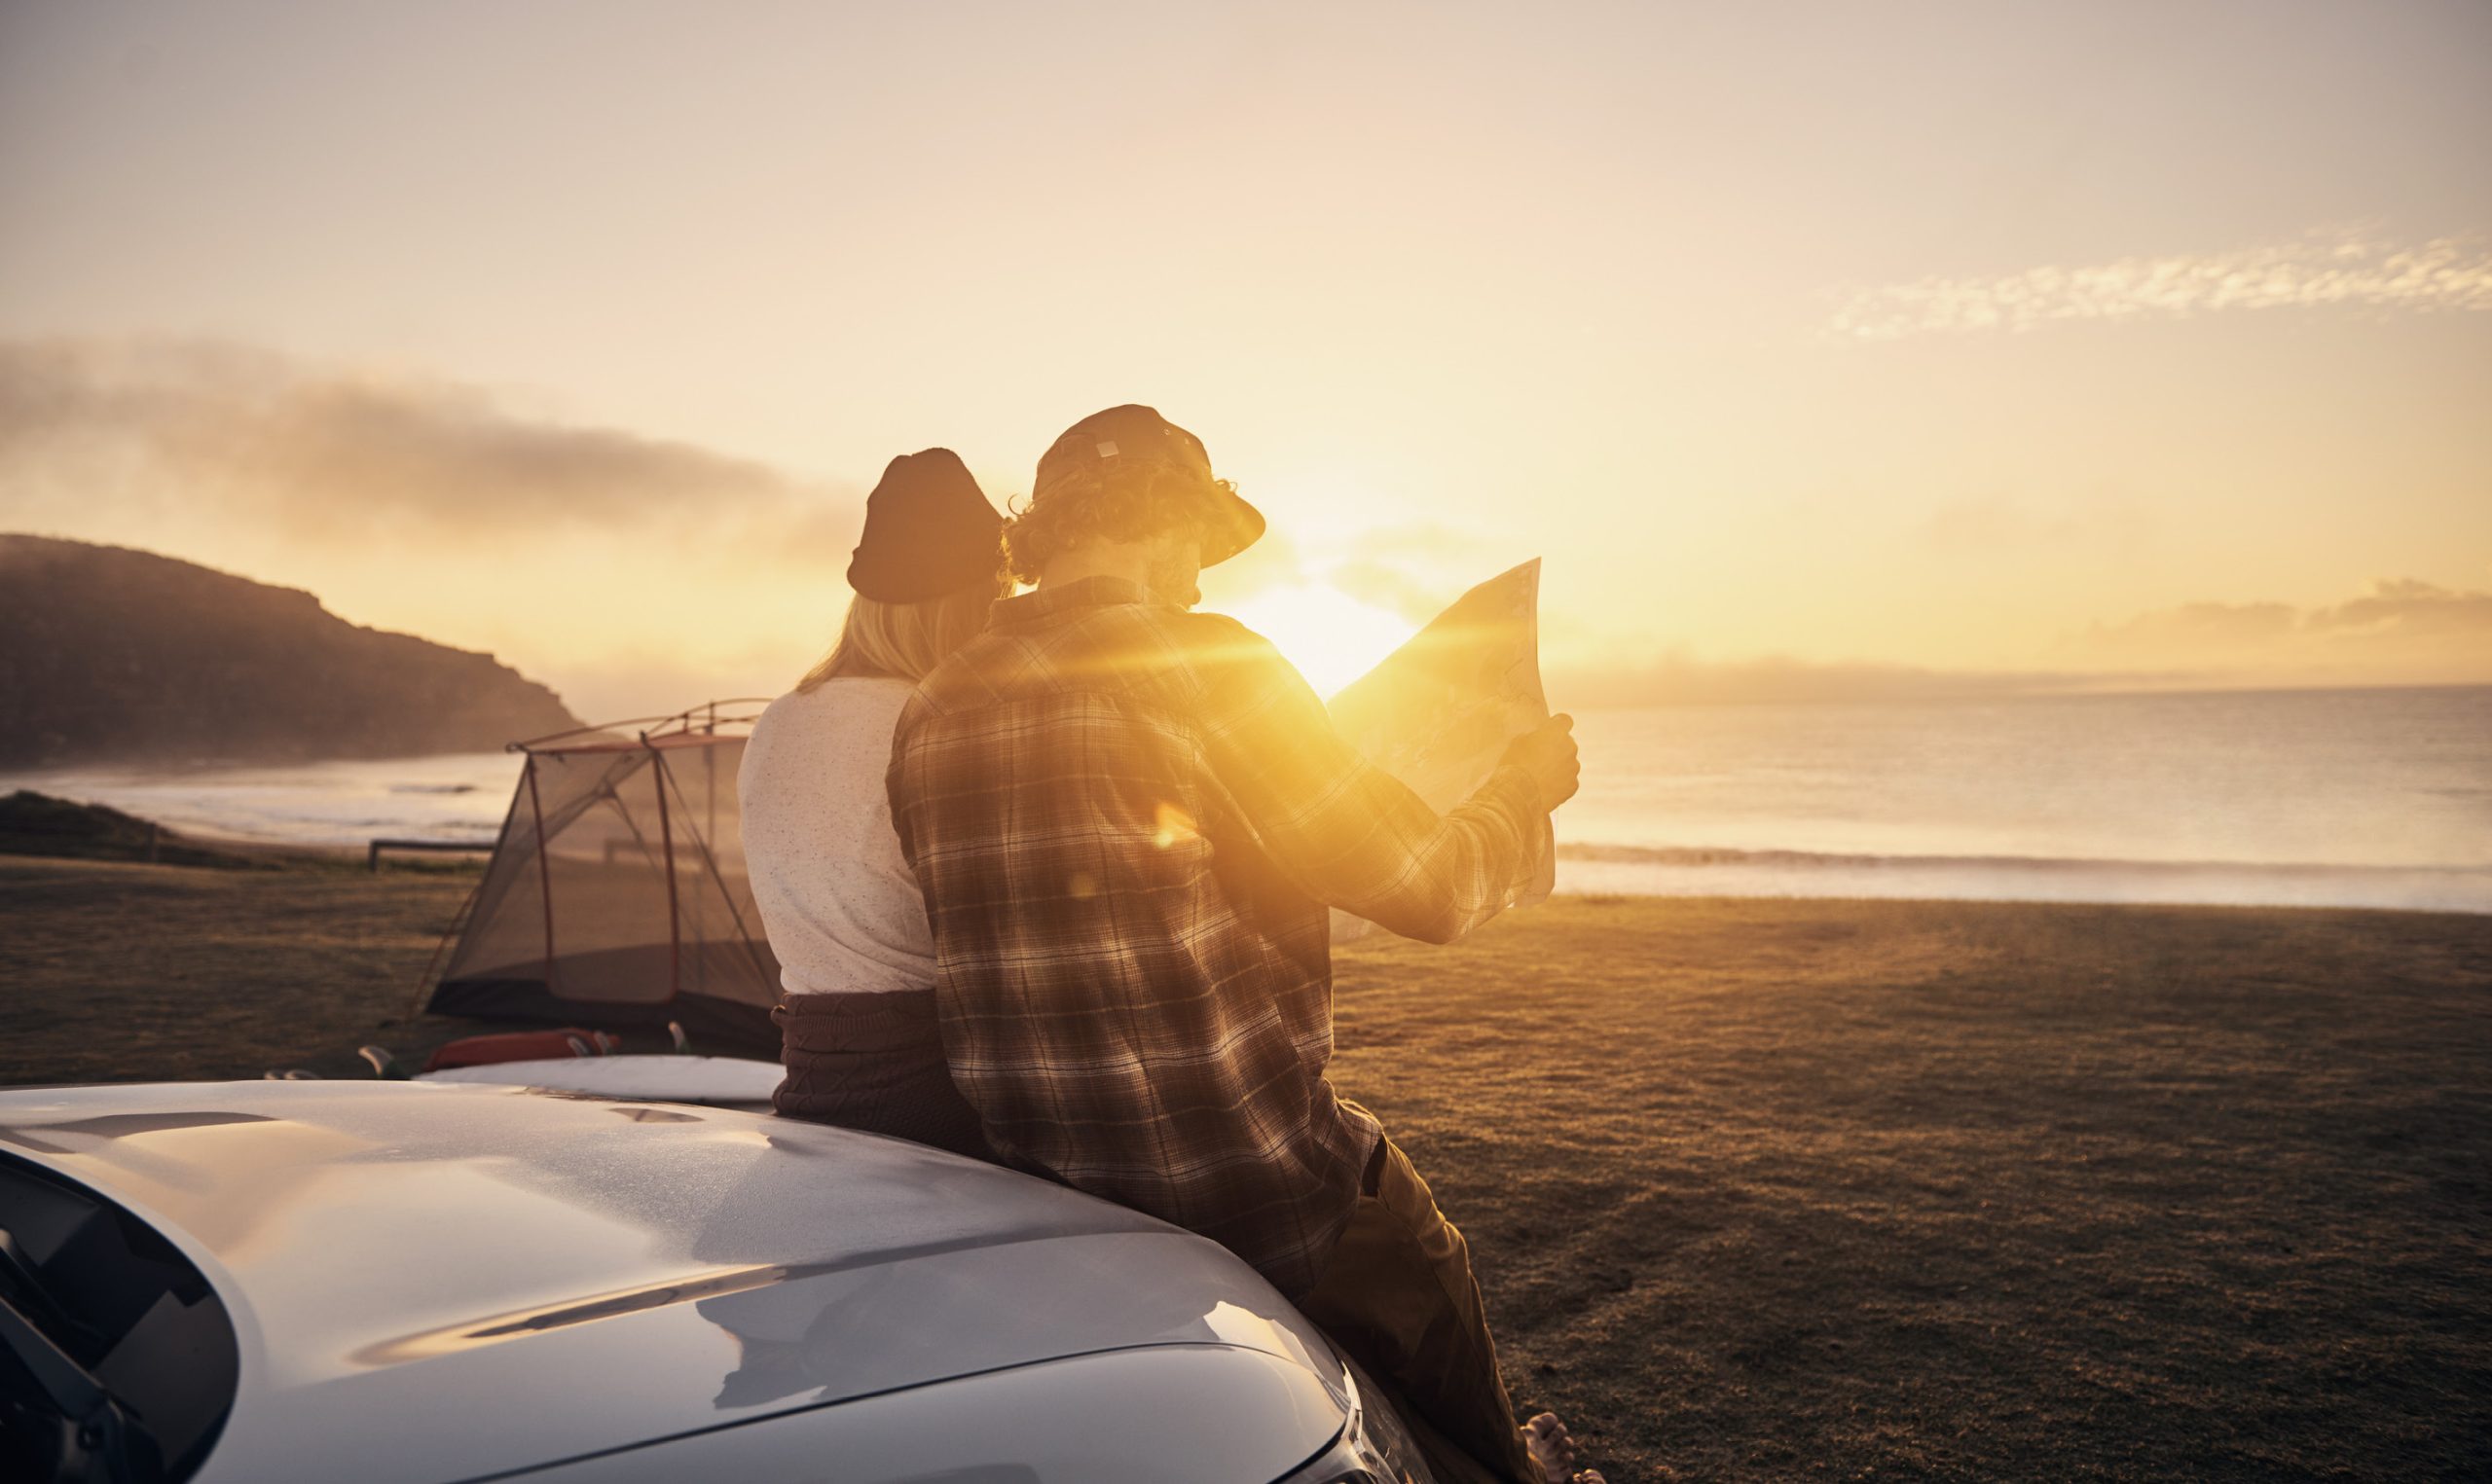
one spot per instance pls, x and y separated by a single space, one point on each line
544 873
666 847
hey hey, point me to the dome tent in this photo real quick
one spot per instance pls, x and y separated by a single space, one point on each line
616 896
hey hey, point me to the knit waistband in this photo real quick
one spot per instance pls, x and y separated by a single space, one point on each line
852 1022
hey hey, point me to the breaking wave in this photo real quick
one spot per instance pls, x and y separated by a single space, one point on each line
1720 871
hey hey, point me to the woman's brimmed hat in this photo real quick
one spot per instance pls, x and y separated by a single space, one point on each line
1133 434
928 533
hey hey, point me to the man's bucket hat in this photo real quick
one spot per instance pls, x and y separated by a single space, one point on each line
1133 434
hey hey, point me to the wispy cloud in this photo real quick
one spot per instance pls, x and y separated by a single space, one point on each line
2403 630
2452 273
1982 526
1414 569
323 454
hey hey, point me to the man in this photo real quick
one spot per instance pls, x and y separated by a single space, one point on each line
1128 820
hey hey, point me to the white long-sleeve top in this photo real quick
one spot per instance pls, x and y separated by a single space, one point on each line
839 902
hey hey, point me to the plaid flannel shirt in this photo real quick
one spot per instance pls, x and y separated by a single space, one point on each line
1128 820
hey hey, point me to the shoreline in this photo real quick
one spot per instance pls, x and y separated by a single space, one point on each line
1657 872
2222 798
1799 876
1611 873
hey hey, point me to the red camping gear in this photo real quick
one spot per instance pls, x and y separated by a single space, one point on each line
522 1046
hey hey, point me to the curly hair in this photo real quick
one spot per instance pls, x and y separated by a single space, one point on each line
1130 503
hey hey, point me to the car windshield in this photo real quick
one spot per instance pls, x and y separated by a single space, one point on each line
116 1359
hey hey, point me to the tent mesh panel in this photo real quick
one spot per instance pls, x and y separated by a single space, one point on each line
617 896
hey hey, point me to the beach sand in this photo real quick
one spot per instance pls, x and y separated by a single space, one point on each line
1757 1190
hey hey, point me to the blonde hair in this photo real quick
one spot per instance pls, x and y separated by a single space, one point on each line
903 642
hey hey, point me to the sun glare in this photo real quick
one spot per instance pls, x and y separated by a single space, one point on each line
1331 637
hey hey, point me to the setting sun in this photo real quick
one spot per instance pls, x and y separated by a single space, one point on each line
1331 637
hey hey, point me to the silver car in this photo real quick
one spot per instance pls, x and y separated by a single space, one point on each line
393 1283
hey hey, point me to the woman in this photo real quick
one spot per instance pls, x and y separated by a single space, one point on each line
856 964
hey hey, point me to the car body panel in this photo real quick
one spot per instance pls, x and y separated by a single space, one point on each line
1194 1414
433 1281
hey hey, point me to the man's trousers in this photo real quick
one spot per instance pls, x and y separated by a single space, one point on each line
1399 1297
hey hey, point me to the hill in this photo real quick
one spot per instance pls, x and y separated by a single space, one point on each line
37 824
108 654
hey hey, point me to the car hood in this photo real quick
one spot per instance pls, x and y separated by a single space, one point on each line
435 1281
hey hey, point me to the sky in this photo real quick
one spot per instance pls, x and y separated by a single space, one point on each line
1817 349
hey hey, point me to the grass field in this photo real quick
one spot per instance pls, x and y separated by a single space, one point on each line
1757 1191
1766 1190
114 972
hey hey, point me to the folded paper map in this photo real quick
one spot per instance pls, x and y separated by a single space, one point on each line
1437 713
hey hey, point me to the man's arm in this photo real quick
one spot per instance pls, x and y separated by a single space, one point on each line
1353 836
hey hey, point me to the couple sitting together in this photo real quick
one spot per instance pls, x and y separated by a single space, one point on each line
1048 876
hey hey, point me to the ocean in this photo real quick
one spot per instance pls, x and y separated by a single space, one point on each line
2353 798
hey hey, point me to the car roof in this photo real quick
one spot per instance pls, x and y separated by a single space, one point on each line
437 1281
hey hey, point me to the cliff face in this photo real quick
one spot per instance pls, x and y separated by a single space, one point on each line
108 654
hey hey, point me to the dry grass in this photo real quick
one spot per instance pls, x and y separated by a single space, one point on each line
1758 1190
1969 1191
119 973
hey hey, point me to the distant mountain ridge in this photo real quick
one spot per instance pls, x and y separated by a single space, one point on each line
114 655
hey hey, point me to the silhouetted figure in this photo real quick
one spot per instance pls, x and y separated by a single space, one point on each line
1130 820
842 910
